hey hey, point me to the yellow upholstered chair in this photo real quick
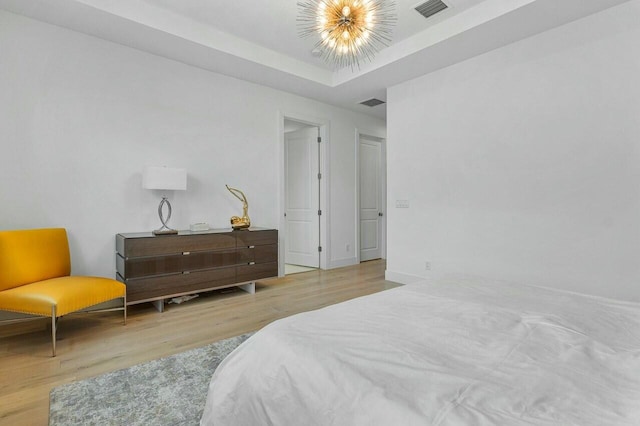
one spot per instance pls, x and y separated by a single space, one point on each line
35 267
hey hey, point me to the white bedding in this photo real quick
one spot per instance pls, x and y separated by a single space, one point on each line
447 353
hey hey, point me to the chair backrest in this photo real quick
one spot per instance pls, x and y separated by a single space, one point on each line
32 255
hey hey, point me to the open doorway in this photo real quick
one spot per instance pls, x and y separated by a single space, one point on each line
302 202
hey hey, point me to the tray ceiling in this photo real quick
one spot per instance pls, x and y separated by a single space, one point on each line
257 40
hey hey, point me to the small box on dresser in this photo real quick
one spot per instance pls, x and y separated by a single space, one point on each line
156 268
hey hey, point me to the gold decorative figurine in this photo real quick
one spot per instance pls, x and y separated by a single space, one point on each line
244 221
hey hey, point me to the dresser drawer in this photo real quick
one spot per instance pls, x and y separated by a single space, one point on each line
257 271
258 254
137 267
142 289
170 244
256 238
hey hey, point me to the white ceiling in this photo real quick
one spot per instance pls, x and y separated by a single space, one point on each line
273 24
257 40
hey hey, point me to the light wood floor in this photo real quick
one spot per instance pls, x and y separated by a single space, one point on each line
93 344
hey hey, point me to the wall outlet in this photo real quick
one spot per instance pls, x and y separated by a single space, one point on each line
402 204
427 266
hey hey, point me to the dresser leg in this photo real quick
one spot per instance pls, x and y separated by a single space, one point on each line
159 304
248 287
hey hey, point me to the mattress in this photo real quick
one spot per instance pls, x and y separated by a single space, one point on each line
453 352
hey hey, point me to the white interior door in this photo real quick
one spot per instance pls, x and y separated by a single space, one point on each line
371 199
302 197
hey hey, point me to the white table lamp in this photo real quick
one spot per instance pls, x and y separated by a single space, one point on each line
165 179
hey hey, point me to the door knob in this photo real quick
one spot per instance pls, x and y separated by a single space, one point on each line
380 214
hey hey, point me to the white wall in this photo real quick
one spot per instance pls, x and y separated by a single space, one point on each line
80 117
523 164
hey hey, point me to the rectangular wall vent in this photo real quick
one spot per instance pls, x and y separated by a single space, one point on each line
431 7
372 102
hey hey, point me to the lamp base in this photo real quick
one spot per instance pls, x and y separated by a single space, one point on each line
165 232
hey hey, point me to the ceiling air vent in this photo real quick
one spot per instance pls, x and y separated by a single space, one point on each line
372 102
431 7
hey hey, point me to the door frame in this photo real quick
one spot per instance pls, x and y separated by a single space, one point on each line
325 222
383 184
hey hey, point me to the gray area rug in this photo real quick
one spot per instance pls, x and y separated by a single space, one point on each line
166 391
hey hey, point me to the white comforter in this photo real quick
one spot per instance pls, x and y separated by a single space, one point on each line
448 353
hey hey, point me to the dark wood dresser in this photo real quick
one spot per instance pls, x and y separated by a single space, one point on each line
156 268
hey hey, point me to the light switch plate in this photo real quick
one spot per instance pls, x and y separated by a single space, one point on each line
402 204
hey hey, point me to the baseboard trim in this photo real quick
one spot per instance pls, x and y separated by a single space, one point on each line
402 278
340 263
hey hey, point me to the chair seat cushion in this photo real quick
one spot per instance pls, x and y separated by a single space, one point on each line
68 294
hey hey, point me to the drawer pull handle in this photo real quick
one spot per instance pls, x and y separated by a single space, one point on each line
186 272
252 246
185 253
252 263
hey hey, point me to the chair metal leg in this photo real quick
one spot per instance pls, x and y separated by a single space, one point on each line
54 320
124 308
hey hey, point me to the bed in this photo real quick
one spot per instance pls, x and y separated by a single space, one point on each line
453 352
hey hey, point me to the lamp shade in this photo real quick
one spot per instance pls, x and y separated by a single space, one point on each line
166 178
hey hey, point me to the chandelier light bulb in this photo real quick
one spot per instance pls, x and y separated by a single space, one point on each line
347 30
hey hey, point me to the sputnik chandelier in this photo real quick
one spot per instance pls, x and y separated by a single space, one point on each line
347 30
